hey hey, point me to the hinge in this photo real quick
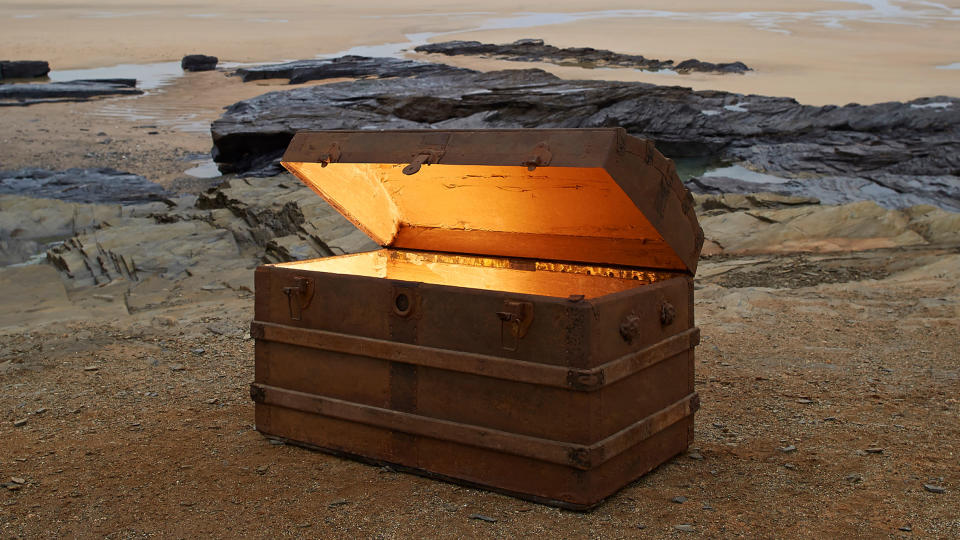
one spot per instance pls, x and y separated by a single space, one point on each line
332 155
424 157
515 320
299 296
621 140
541 157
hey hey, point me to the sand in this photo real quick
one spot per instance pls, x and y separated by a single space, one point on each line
142 425
815 51
159 135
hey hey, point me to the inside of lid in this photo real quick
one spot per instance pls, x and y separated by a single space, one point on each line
550 213
545 278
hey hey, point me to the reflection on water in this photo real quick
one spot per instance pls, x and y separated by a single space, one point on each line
391 50
689 167
186 117
739 172
148 76
204 169
692 167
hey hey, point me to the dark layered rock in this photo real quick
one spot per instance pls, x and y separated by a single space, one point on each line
80 90
23 69
535 50
890 191
903 147
99 185
199 62
696 65
282 219
350 67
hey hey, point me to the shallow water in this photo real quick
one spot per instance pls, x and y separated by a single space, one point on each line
873 11
204 169
688 168
739 172
148 76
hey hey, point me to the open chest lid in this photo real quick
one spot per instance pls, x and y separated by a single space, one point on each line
580 195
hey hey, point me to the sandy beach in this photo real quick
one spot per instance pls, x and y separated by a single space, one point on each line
820 52
827 367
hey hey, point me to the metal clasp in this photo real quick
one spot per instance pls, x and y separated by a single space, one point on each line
515 320
331 156
425 157
541 157
299 296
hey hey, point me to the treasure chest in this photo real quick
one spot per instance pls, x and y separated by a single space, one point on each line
527 327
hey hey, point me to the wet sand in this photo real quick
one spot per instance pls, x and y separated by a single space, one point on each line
159 135
819 52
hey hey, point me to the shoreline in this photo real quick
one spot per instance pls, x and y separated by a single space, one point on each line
795 54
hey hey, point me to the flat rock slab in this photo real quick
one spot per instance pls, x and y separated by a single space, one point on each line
137 248
282 217
79 90
905 147
813 228
101 185
535 50
35 295
352 67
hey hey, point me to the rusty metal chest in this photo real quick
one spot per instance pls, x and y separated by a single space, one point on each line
527 327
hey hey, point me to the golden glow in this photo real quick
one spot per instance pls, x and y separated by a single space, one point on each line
545 278
559 213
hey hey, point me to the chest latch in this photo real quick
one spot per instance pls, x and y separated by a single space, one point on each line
515 320
425 157
299 296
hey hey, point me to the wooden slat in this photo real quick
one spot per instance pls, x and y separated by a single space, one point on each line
479 364
579 456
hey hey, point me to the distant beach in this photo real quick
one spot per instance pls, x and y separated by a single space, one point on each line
817 51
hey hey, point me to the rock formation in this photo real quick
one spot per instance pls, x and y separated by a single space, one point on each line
246 221
80 90
353 67
535 50
100 185
903 147
891 191
234 225
199 62
23 69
